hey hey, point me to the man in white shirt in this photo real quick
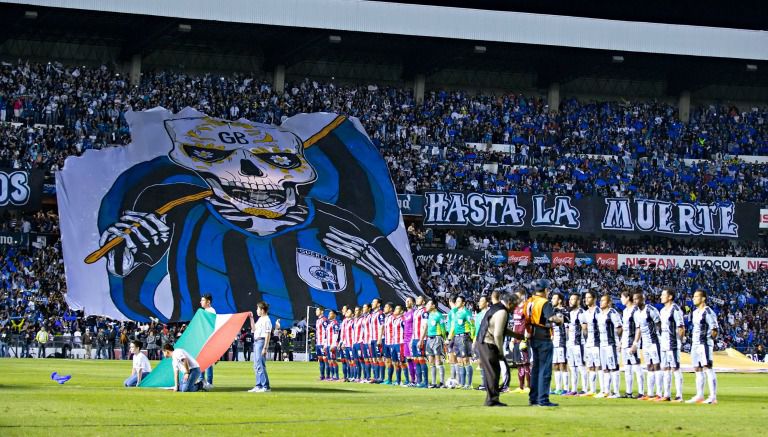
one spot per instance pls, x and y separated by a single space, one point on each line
705 330
206 376
262 330
184 363
141 366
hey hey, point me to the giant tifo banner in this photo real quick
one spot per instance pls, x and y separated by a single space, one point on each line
617 215
296 215
613 261
20 189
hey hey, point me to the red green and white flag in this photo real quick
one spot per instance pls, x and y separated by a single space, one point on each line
206 338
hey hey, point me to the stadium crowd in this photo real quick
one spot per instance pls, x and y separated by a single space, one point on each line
64 110
49 111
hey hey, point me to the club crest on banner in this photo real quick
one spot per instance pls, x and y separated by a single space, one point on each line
321 271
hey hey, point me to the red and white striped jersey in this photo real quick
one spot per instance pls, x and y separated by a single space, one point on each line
321 326
332 333
348 332
398 330
361 329
388 331
420 316
376 321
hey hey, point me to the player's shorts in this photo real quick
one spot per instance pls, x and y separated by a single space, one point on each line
375 353
651 354
395 352
629 358
347 353
357 353
558 355
407 348
385 350
701 355
609 358
434 346
462 346
670 359
592 356
365 352
415 351
320 351
330 352
575 355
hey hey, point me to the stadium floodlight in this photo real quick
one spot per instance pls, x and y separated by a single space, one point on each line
30 15
751 67
480 49
186 28
617 59
334 39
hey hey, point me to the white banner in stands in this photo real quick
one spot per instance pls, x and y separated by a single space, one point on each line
671 261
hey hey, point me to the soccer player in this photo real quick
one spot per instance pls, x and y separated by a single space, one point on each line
420 316
362 337
375 326
705 330
482 308
609 326
630 359
559 363
320 328
433 336
520 355
385 342
407 337
346 344
332 346
592 340
460 336
575 346
397 347
648 323
672 334
448 324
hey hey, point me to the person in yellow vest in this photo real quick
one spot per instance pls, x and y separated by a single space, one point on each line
539 316
42 339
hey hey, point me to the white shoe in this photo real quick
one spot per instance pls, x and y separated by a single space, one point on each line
207 386
694 400
266 390
600 395
712 401
254 390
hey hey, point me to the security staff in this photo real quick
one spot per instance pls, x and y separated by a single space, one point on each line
489 344
540 315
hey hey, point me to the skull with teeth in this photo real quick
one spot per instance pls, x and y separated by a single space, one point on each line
253 167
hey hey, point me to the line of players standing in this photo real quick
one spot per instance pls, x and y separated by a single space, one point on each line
376 344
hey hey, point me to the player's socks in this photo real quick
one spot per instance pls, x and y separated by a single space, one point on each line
558 382
390 371
628 379
406 372
468 368
600 380
711 382
412 370
592 381
678 383
615 380
565 376
454 371
424 372
527 372
399 374
433 371
700 385
321 362
521 376
461 373
650 379
638 371
605 386
659 375
441 371
667 381
583 377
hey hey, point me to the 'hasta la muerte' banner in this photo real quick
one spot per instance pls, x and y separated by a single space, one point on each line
593 215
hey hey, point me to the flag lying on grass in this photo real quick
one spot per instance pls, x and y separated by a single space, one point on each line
206 338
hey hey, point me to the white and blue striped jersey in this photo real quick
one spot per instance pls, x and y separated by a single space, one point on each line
647 319
704 321
608 323
671 321
628 322
589 318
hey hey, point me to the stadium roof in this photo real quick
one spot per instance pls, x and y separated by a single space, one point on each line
456 23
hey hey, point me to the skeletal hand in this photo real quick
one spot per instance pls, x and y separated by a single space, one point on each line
364 254
146 242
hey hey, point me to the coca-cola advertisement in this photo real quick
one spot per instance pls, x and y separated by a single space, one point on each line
607 260
516 256
563 259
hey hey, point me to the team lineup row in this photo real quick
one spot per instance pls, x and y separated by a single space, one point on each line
389 343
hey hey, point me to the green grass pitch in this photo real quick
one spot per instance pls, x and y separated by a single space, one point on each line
93 402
